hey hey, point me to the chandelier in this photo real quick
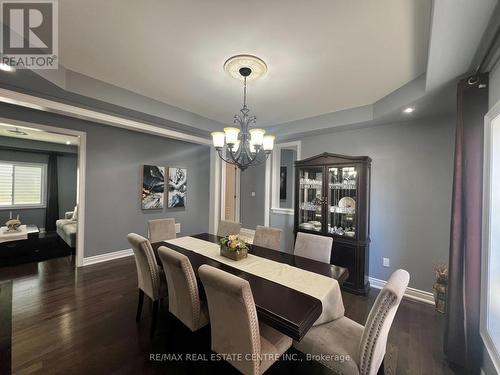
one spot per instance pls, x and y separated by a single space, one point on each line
244 146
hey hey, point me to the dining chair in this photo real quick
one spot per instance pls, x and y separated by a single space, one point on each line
150 278
313 246
227 227
183 295
349 348
161 229
267 237
235 326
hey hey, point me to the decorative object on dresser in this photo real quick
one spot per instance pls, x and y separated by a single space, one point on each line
233 247
177 186
332 198
440 287
153 187
13 224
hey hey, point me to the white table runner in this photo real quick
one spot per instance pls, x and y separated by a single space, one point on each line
324 288
21 234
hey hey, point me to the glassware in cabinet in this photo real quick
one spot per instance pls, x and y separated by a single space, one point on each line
311 200
342 196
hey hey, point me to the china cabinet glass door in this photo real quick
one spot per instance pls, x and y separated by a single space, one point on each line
342 190
311 200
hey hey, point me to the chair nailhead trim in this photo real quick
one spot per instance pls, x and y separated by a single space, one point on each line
366 360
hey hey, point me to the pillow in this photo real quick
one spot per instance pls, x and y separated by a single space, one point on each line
75 214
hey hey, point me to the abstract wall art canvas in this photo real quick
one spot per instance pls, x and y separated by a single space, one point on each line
153 187
177 186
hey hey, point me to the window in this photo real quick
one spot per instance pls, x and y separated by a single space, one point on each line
490 317
283 177
22 185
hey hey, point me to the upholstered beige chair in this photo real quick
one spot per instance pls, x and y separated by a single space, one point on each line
161 230
234 323
150 277
267 237
228 227
352 348
313 246
183 296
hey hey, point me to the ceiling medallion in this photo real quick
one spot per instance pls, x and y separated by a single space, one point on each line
256 65
244 146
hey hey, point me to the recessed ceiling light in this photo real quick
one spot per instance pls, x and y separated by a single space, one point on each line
408 110
68 142
6 68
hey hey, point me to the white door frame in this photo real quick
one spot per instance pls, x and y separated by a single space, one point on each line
489 149
80 194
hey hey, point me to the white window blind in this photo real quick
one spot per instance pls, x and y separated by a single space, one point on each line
6 184
22 184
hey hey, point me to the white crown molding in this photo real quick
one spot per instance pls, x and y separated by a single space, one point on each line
46 105
107 257
411 293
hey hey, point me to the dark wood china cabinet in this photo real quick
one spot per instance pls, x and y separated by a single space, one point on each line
332 198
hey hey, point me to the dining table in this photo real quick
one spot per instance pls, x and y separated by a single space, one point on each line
283 308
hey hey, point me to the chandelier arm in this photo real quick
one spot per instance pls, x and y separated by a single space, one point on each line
225 159
253 160
255 163
235 158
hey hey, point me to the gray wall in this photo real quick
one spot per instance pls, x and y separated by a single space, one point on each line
114 160
494 93
410 196
67 173
252 207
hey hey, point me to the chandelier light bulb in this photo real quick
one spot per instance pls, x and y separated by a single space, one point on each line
268 142
231 135
218 139
257 136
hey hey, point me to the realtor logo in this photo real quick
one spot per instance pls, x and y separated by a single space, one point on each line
29 34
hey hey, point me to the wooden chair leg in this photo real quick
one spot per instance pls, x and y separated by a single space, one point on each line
139 306
154 317
381 370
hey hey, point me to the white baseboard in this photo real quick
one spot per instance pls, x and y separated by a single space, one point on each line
106 257
411 293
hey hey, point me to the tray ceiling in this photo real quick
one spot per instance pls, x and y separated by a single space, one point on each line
323 56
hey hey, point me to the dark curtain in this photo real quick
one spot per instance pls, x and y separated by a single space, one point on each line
462 343
52 209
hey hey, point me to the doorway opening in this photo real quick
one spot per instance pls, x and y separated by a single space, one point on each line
42 182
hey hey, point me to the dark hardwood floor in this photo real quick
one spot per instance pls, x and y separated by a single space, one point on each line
67 321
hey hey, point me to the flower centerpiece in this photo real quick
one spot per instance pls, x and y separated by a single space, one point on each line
440 288
13 224
233 247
